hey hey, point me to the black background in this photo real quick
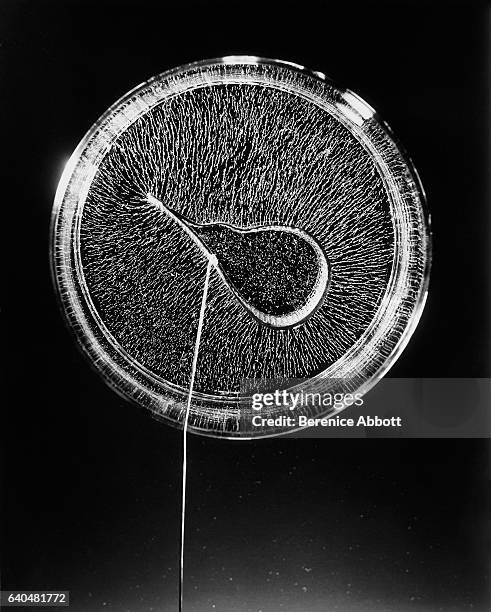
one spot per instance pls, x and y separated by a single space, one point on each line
92 483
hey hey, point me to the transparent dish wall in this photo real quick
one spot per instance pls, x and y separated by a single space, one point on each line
312 214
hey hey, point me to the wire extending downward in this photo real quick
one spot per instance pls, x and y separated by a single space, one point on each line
185 428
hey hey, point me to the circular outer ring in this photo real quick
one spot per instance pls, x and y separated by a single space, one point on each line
381 343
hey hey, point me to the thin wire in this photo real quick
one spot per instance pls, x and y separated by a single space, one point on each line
185 428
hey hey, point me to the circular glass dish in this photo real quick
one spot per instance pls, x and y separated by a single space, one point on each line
312 215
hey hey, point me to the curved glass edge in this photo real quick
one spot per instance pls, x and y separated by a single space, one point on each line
353 102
